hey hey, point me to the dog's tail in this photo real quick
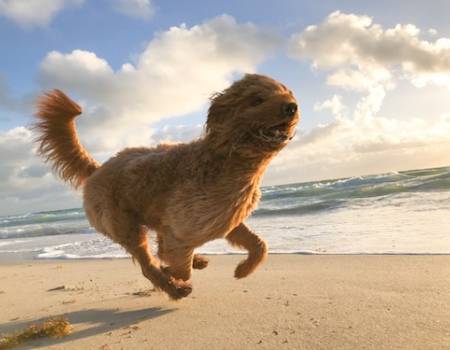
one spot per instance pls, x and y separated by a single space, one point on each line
58 140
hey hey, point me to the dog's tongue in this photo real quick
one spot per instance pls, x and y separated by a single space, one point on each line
274 135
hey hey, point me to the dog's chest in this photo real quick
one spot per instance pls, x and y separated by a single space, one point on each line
211 213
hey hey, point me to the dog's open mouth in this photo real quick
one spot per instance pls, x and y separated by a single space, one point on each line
277 133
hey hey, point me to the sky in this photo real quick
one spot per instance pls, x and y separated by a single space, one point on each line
372 80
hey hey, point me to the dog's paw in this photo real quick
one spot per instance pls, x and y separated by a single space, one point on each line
175 288
244 269
178 289
199 262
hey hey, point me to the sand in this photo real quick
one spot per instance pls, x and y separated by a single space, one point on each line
292 302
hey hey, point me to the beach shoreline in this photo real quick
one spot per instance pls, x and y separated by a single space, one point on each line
292 302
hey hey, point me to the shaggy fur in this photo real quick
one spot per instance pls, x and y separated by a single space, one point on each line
188 193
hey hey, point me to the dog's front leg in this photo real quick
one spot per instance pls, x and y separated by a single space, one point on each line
242 237
180 261
199 262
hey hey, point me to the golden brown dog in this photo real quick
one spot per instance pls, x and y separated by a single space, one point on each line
188 193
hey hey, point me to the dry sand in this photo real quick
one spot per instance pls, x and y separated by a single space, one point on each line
292 302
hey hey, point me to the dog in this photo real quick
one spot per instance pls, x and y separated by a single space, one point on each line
188 193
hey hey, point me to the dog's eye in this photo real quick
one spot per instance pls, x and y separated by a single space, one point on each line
257 101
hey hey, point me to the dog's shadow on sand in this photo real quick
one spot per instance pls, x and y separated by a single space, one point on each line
102 320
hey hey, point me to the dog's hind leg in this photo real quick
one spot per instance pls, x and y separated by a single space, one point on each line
242 237
136 243
160 278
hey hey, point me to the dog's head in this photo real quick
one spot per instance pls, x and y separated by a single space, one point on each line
256 114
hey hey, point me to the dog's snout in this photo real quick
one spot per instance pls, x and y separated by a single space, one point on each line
289 109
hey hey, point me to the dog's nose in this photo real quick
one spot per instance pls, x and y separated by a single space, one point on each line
289 109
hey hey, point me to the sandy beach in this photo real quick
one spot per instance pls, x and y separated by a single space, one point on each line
292 302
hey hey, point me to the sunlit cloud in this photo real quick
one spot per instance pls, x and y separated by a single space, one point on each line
366 52
34 13
143 9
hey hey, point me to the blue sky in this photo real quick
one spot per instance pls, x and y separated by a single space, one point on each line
372 79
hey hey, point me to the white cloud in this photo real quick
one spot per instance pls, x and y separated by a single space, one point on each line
175 74
134 8
432 31
30 13
176 133
333 104
361 79
25 182
366 53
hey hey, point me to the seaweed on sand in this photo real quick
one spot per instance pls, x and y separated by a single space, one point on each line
53 328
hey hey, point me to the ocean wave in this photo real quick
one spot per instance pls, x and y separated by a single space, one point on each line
43 217
98 247
4 244
45 229
306 198
61 254
318 197
299 209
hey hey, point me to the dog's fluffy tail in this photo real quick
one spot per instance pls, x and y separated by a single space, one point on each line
58 140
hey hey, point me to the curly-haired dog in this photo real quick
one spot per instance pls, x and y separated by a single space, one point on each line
188 193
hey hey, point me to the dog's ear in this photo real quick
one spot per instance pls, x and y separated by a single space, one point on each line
223 103
217 111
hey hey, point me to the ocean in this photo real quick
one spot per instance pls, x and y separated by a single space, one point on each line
406 212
